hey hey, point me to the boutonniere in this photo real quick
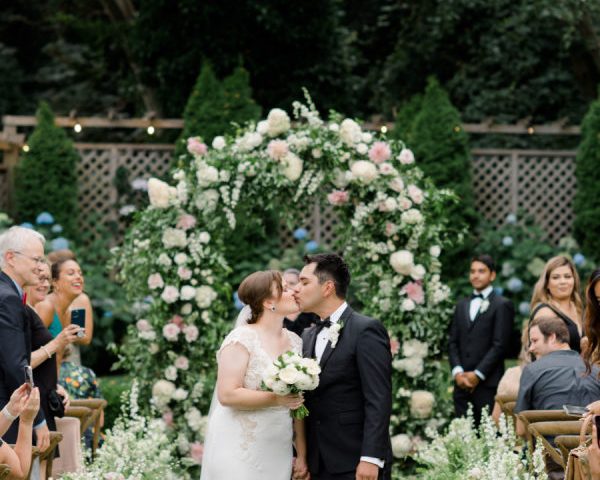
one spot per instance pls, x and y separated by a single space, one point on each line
334 333
485 304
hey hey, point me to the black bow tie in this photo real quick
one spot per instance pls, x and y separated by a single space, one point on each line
476 295
321 324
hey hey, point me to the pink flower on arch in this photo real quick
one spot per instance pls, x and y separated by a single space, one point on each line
277 149
168 418
380 152
197 452
394 345
177 320
186 221
195 146
414 291
338 197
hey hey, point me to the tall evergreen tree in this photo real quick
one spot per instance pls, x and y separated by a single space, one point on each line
587 201
46 177
239 106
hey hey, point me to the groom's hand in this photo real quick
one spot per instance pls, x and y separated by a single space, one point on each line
367 471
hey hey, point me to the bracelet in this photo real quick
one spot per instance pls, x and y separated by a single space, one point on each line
9 416
43 347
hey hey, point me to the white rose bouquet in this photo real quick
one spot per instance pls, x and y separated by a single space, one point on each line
291 373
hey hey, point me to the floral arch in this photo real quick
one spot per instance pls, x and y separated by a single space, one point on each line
391 229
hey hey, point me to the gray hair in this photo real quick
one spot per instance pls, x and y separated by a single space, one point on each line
292 271
14 239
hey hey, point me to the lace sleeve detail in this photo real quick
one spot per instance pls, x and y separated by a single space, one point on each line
295 342
245 336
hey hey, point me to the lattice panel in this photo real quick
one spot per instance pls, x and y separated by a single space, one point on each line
541 183
320 223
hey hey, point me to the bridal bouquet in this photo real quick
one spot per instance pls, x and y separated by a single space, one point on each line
291 373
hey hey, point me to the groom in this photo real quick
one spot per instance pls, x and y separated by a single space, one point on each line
347 430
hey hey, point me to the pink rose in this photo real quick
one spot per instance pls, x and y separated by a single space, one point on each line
397 185
386 168
380 152
338 197
390 229
184 273
143 325
168 418
195 146
196 452
277 149
416 194
414 291
170 332
191 333
155 281
394 345
404 203
406 157
186 221
177 320
182 363
170 294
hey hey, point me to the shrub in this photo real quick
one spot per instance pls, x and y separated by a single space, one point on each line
587 202
46 177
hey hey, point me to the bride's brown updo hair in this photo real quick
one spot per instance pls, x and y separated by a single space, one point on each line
258 287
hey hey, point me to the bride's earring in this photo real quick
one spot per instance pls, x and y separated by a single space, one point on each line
273 308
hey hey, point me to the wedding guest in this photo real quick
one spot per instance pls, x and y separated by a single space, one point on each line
297 322
591 354
479 338
556 293
21 254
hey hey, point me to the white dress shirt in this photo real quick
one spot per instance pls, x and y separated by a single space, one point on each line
474 307
320 345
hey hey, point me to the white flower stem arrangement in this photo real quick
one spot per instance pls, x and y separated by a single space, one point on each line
291 373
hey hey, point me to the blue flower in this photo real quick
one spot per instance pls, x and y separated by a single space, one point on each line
578 259
511 219
27 225
498 290
524 308
57 228
507 241
44 218
237 302
107 314
311 246
514 284
300 233
59 243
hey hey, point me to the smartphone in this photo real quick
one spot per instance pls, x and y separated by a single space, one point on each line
597 421
78 318
29 377
575 410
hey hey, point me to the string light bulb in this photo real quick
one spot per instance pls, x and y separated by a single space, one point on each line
77 127
530 130
457 129
384 129
25 148
150 130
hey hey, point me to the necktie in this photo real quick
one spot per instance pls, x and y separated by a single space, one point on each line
321 324
24 298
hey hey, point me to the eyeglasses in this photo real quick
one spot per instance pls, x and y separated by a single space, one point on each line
38 260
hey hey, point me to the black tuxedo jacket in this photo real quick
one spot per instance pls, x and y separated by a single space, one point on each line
482 344
350 409
15 347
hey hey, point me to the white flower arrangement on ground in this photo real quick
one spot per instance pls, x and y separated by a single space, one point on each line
291 373
390 226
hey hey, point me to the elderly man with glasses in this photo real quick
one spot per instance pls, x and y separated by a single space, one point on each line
21 252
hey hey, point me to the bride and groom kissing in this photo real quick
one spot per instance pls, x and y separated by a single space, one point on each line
250 432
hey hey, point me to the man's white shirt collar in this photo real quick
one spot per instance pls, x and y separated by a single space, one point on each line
486 292
335 316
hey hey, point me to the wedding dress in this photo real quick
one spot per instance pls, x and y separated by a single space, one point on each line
249 444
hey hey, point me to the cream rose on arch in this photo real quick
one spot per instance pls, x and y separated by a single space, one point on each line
402 262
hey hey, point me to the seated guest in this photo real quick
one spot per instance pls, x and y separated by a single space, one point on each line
298 322
557 376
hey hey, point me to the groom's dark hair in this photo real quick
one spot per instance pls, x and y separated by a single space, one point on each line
331 266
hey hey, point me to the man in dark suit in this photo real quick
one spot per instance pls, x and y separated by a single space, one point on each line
480 336
21 252
347 430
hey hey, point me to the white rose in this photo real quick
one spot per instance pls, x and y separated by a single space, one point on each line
180 258
158 193
406 157
414 348
350 132
187 292
278 122
280 388
421 404
204 237
292 167
164 260
171 373
364 171
182 363
218 143
155 281
262 127
171 332
174 238
191 333
415 194
412 216
418 272
402 261
186 309
413 366
207 175
162 391
366 137
435 251
170 294
205 296
311 365
304 381
397 185
289 375
180 394
362 148
408 305
388 205
401 445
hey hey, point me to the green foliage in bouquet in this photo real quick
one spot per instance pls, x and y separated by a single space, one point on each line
587 202
46 177
431 126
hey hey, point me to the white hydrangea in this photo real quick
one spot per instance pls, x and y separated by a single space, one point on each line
362 148
158 193
350 132
415 348
180 394
364 171
194 419
207 200
412 366
218 143
162 391
292 167
421 403
401 445
205 296
278 122
174 238
206 174
262 127
412 216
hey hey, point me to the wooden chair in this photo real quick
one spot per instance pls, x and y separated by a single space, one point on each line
48 454
97 406
540 430
4 471
565 444
82 413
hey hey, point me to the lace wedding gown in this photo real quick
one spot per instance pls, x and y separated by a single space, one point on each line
249 444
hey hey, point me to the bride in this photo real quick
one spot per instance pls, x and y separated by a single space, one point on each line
249 433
